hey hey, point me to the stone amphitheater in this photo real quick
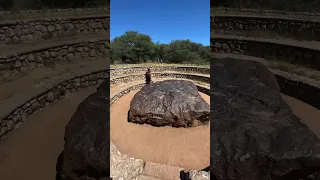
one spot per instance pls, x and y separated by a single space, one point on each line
49 66
286 43
49 63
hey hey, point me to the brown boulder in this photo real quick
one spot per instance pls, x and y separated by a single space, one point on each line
175 103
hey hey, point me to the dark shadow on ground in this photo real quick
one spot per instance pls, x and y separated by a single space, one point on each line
59 167
185 175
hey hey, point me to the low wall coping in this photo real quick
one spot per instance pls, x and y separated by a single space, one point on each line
25 21
46 45
182 66
282 42
176 73
276 12
56 10
267 16
9 105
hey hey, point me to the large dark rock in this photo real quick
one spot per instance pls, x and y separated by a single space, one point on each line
175 103
254 133
87 151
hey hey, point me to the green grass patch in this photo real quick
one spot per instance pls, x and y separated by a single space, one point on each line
294 69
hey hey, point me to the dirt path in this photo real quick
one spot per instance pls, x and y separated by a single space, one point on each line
310 115
46 76
31 151
184 147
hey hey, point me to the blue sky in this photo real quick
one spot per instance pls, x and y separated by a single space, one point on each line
163 20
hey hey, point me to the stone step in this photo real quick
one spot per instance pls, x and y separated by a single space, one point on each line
145 177
162 171
311 45
15 93
308 73
11 49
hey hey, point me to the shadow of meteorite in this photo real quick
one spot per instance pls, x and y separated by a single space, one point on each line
59 175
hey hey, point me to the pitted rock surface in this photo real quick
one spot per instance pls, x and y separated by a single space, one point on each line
175 103
86 150
254 133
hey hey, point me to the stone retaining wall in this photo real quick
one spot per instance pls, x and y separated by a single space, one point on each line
54 10
126 91
187 69
12 32
15 65
131 78
35 104
287 27
301 88
268 49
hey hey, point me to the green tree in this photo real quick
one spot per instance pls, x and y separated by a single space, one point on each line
133 46
185 51
138 48
162 52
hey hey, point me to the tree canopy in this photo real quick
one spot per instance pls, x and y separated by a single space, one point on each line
134 47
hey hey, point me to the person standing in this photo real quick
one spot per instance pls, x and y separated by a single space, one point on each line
148 77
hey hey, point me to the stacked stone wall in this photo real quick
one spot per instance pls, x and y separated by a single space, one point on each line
14 32
267 25
17 64
301 54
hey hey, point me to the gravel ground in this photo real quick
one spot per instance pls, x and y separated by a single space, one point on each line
123 167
